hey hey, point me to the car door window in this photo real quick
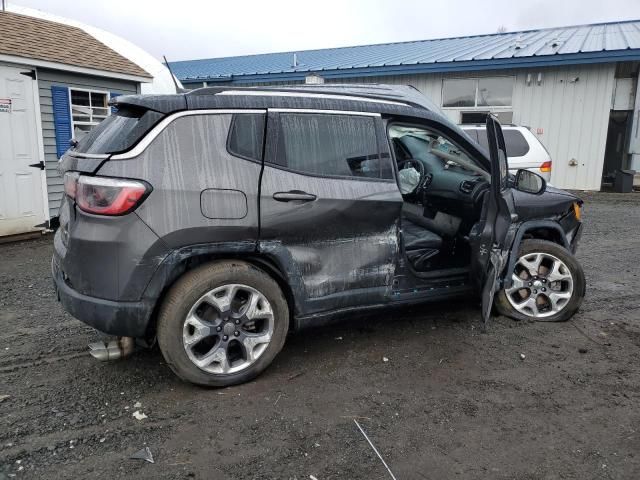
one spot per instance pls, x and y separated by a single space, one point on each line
331 145
434 150
246 136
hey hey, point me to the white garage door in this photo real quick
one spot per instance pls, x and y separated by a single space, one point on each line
21 186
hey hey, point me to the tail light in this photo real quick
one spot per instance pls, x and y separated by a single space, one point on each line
105 196
545 167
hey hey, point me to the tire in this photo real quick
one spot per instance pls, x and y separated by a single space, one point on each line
560 299
195 325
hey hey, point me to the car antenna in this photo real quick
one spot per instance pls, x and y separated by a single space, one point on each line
175 82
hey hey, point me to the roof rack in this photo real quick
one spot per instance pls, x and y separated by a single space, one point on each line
393 94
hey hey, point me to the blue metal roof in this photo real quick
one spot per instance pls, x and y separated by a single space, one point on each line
597 43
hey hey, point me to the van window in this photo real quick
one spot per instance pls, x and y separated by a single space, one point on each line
246 136
330 144
119 131
517 145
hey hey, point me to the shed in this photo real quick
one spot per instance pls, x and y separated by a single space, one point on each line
55 84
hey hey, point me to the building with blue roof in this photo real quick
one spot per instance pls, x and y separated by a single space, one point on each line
575 87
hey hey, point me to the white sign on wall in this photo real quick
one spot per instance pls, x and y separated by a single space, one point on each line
5 105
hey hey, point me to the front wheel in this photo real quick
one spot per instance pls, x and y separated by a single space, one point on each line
222 324
548 284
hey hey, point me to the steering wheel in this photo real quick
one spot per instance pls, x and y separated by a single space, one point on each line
424 177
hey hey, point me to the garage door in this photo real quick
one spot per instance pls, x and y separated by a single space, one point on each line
21 186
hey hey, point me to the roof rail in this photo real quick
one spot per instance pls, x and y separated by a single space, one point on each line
374 93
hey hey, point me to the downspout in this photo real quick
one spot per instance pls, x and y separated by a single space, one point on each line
634 139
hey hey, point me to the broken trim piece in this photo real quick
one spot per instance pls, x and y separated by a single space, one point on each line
279 93
326 112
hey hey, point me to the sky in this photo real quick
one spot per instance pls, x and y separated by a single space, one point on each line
190 29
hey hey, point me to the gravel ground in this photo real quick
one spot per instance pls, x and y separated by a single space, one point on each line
450 402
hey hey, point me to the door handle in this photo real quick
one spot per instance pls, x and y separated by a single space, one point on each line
294 195
39 165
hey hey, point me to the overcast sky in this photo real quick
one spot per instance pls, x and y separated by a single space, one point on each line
188 29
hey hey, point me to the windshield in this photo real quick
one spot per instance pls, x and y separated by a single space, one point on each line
119 131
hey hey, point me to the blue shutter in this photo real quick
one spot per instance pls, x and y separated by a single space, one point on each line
114 95
61 118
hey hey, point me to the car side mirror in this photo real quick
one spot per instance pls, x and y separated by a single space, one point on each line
530 182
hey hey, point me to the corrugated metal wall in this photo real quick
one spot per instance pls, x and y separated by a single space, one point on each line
47 78
572 107
568 112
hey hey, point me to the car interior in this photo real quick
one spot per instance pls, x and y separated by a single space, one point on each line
443 191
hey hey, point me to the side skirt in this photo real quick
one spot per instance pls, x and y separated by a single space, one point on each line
400 299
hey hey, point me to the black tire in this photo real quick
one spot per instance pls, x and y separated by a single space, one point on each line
579 285
186 292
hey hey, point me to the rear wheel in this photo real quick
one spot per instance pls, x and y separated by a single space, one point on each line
222 324
548 284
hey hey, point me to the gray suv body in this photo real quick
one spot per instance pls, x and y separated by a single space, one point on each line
220 219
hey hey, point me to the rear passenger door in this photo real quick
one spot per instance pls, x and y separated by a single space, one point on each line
329 207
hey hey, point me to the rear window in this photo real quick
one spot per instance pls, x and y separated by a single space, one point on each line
515 142
246 136
119 131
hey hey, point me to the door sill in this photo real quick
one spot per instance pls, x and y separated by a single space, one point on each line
441 273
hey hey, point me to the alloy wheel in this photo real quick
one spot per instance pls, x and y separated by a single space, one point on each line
542 285
228 329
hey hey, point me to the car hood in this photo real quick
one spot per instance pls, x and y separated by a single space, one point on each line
552 203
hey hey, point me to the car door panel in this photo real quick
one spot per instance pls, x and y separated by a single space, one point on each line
336 238
490 236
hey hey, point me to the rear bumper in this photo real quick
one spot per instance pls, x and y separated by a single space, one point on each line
126 319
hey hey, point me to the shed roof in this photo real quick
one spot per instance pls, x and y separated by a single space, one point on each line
595 43
34 38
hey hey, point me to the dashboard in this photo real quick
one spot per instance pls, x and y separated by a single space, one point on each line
452 189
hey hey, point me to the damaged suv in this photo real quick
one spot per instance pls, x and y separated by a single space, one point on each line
218 220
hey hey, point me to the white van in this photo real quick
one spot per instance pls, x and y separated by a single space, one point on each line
523 148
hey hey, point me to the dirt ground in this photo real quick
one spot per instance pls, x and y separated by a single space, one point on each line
450 402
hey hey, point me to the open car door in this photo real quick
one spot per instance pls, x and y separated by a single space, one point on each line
489 237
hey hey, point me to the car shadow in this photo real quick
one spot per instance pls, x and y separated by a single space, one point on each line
317 344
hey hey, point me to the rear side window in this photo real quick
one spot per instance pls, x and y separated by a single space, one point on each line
119 131
332 145
515 142
246 136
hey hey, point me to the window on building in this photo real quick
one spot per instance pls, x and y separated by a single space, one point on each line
335 145
459 93
246 136
88 109
477 92
495 91
478 116
473 117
